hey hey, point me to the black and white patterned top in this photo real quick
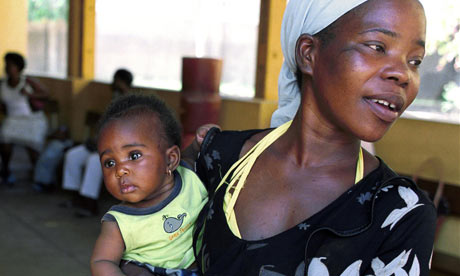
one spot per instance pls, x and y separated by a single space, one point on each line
383 225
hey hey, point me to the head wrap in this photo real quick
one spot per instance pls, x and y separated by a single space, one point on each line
300 17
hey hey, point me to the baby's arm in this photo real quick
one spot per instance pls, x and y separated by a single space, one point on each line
108 251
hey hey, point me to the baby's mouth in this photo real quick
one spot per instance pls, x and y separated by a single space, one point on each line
127 188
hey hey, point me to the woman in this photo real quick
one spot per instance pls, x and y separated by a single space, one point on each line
25 124
304 198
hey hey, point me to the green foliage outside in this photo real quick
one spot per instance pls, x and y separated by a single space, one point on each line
48 10
443 38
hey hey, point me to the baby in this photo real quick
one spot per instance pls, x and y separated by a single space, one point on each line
151 229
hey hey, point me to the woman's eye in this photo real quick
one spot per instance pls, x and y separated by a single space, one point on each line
109 163
135 155
377 48
415 62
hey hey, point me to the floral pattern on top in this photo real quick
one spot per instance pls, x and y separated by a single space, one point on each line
411 198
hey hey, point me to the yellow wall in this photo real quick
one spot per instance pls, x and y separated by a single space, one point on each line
448 241
61 91
410 142
13 28
246 114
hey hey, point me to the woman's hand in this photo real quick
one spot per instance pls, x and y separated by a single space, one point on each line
34 89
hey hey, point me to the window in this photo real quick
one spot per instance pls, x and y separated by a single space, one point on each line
150 37
47 38
439 94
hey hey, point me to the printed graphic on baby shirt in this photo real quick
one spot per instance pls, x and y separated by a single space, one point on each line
172 224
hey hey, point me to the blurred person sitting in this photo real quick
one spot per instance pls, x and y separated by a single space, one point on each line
82 169
50 159
22 99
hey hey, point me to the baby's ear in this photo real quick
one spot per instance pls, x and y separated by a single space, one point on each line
173 157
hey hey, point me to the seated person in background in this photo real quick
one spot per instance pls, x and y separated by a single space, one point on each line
25 124
82 170
151 229
121 84
50 158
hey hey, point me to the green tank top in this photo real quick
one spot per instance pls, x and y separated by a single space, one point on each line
161 235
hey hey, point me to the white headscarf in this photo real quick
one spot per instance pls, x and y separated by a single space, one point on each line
300 17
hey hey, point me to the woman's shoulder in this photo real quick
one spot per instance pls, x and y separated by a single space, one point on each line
231 141
220 149
253 140
396 192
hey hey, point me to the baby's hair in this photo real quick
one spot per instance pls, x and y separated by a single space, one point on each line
133 105
16 59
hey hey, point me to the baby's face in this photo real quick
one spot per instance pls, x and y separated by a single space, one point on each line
134 159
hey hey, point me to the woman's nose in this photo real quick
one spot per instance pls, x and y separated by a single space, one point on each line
397 71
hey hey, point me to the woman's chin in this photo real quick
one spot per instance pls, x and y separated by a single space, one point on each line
373 135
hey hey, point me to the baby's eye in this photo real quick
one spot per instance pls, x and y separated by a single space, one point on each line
376 47
134 155
109 163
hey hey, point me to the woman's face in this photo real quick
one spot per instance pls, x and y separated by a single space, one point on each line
368 75
12 70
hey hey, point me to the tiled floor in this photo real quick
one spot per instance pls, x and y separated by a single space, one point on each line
39 238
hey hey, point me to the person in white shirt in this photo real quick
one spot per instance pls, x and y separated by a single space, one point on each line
23 99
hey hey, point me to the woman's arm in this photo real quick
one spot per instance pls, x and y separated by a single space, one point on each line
38 90
108 251
2 104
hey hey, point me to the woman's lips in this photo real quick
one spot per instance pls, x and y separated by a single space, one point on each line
383 109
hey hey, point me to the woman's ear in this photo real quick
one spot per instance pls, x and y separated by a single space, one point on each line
173 157
305 51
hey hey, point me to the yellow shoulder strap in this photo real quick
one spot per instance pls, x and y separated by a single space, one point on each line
243 166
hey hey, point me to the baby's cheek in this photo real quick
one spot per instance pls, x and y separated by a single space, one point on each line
109 184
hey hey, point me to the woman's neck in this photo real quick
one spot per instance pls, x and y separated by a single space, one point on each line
315 142
13 81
